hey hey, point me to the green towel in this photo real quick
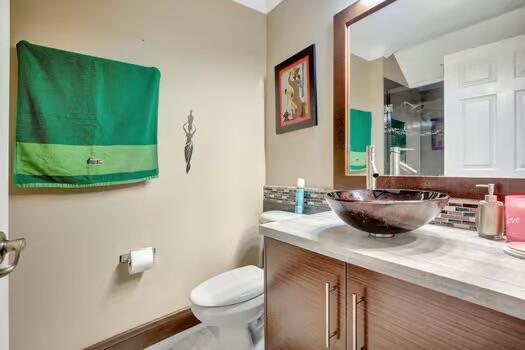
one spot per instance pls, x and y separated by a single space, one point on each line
84 121
360 137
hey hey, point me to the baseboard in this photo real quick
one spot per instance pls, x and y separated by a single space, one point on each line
149 333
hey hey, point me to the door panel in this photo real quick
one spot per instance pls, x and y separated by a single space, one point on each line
520 63
477 73
303 291
520 130
478 125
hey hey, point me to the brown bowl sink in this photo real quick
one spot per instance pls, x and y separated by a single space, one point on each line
385 213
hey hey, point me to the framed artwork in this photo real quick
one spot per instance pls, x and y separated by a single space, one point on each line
295 92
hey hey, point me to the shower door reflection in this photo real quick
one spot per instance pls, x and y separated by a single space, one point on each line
414 138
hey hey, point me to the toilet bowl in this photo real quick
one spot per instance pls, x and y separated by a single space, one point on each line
231 305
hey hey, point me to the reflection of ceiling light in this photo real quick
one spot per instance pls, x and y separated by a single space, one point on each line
371 2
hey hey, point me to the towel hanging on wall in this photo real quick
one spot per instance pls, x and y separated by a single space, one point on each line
360 138
84 121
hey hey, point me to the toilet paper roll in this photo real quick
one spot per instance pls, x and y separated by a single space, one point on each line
141 260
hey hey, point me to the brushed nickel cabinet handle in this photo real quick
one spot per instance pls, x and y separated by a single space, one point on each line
355 302
15 246
328 316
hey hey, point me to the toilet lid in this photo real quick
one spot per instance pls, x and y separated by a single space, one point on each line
277 215
229 288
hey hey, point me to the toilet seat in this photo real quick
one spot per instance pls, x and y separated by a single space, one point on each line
241 313
229 288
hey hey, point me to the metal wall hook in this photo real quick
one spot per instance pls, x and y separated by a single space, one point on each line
6 246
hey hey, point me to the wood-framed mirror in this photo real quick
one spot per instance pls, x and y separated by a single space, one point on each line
448 96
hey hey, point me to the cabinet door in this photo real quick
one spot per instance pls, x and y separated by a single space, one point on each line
400 315
304 299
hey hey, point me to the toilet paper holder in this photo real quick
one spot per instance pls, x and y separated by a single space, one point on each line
125 258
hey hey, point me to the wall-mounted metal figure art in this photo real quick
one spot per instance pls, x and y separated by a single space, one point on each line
190 130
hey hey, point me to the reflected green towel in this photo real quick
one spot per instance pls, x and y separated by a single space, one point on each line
84 121
360 137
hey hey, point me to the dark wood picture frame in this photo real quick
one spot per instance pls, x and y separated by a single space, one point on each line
306 55
459 187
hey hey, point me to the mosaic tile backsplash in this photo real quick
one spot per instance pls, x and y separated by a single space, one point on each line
283 198
460 213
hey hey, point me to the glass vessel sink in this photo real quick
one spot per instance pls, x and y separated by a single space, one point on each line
385 213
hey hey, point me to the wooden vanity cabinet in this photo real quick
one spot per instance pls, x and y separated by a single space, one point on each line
400 315
305 299
374 310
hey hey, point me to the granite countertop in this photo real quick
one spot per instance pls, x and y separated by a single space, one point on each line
451 261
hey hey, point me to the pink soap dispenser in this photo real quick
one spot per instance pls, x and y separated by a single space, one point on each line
515 215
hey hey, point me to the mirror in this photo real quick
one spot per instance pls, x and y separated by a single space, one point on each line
439 89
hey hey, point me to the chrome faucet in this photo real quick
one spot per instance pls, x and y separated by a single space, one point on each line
396 165
371 170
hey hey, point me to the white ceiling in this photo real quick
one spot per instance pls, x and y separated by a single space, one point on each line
263 6
423 63
409 22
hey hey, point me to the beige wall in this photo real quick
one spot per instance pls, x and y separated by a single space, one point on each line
392 71
292 26
68 291
366 94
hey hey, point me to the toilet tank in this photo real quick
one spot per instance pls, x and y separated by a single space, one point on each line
276 215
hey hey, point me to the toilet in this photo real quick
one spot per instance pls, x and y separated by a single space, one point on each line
277 215
231 304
